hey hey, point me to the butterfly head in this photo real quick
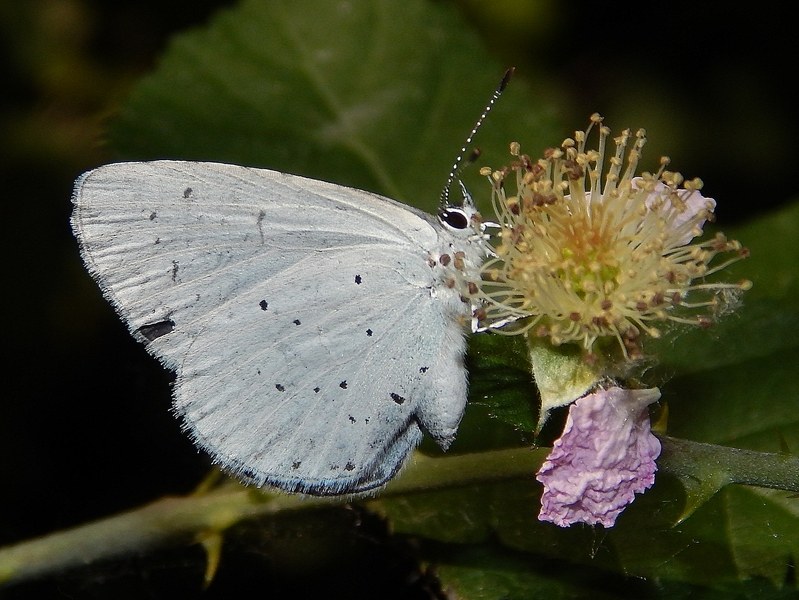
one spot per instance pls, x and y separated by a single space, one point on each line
461 220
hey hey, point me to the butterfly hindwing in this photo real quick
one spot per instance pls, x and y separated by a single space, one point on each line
336 390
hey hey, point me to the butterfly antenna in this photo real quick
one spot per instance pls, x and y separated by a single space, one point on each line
459 163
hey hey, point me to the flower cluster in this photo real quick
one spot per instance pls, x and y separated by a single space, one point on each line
587 250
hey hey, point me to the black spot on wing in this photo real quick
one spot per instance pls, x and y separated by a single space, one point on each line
317 390
153 216
358 279
397 398
187 193
153 331
263 304
279 387
352 419
343 385
349 467
423 369
260 223
296 322
369 332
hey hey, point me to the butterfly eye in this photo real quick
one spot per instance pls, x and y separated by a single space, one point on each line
454 217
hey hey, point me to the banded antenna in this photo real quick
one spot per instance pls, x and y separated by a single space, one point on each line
458 164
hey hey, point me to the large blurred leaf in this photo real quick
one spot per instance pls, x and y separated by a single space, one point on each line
378 95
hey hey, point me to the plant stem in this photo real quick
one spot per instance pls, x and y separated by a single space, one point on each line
690 459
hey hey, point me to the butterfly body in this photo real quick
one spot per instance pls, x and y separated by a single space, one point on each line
315 330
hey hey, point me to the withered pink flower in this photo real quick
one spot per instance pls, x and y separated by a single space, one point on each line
605 456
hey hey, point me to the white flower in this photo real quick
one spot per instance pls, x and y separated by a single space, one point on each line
587 250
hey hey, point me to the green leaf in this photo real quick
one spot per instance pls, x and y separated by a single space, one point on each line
375 95
741 533
750 405
763 531
767 323
501 384
736 385
490 572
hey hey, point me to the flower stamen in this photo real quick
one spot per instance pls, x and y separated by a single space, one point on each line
580 255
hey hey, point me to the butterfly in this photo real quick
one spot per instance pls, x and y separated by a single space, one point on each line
315 330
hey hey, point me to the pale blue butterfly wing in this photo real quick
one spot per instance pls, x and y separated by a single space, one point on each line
315 329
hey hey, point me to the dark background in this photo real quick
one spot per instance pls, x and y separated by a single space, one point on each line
85 427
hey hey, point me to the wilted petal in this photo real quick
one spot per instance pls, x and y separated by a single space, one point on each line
686 211
605 456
